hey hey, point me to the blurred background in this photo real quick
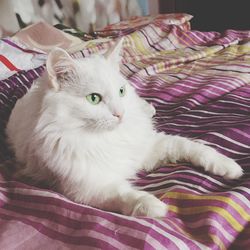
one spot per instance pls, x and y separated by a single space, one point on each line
91 15
86 15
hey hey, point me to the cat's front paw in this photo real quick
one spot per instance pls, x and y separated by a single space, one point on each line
148 205
223 166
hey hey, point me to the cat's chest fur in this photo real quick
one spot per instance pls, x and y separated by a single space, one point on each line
120 152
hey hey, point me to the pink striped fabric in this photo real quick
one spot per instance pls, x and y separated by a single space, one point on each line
199 83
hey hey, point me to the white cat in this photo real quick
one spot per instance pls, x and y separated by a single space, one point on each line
84 128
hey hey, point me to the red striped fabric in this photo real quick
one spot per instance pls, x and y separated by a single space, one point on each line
8 64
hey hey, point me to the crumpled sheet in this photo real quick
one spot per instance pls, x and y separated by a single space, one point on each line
199 83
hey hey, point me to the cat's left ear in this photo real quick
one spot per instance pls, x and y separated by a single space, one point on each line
59 64
114 54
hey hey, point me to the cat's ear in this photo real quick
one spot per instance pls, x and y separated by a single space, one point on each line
114 54
59 65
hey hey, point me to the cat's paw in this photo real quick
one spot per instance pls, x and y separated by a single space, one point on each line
224 166
148 205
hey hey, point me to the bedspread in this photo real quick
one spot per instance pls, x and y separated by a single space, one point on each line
199 83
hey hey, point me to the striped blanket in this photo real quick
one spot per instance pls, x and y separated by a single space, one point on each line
199 83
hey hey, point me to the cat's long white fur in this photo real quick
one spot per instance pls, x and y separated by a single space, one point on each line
90 151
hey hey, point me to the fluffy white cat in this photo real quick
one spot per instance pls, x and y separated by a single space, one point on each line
84 128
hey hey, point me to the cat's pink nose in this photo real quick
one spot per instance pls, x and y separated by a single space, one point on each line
118 115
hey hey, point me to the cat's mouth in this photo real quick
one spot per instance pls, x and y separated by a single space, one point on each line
103 125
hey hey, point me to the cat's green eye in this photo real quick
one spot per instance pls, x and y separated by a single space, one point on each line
122 91
94 98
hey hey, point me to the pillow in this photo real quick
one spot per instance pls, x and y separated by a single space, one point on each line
128 26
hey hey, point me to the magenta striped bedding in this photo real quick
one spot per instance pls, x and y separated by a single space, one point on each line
199 83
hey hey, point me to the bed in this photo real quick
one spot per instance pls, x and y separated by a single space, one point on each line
199 83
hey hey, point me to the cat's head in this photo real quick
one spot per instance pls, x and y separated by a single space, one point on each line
89 92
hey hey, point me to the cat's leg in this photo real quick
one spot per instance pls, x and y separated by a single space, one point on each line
168 148
118 196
